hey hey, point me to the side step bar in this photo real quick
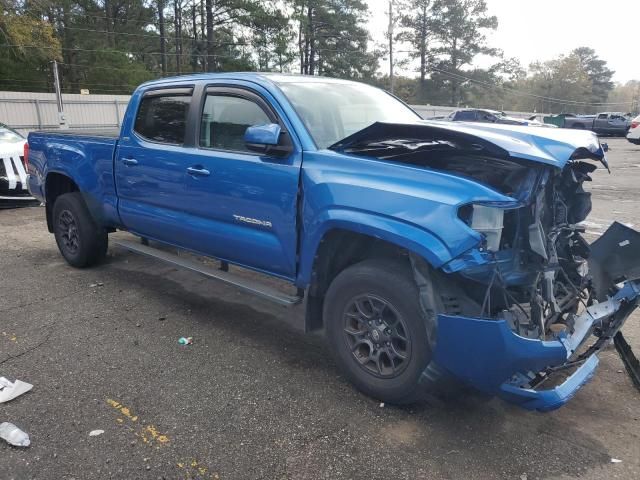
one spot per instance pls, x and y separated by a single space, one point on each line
245 284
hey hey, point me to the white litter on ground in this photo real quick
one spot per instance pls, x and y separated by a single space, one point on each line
10 390
13 435
95 433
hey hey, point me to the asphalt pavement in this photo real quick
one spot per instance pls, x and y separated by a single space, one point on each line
253 397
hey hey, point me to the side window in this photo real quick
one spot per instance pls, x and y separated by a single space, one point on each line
163 118
225 118
466 116
488 117
603 116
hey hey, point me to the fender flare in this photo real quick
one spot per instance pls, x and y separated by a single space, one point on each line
93 204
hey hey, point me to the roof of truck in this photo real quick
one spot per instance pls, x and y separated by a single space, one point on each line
271 77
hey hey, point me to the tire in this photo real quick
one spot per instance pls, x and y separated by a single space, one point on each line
383 289
80 240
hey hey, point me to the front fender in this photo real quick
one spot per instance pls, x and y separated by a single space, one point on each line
405 235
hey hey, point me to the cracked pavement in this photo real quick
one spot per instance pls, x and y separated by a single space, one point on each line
254 397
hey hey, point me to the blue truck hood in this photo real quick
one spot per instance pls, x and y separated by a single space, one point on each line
550 146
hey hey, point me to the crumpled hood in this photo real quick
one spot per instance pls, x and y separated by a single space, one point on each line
550 146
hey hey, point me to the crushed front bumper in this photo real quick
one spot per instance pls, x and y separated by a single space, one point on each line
489 356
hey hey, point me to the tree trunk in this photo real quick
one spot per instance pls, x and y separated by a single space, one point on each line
210 58
305 68
163 46
177 20
423 46
312 42
203 34
454 70
194 42
301 47
67 55
109 23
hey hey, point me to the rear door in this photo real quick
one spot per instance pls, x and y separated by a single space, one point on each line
150 165
240 205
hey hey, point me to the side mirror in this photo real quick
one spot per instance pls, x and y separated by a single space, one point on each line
265 139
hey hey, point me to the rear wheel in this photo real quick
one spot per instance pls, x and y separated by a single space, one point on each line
376 329
80 240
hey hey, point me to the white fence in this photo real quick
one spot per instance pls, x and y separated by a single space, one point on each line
26 111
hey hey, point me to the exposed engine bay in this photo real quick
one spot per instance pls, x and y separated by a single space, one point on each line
523 310
532 267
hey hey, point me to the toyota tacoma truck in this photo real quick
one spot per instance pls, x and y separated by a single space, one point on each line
436 256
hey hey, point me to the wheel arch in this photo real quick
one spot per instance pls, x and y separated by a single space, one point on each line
56 184
343 243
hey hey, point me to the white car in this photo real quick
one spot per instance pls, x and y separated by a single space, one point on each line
13 176
633 135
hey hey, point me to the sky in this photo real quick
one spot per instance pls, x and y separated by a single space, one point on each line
533 30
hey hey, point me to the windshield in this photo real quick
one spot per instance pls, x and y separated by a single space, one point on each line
333 111
7 135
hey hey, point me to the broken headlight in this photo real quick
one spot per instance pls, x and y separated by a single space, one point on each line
487 219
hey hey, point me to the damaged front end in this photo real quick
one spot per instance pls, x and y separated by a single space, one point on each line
536 293
523 314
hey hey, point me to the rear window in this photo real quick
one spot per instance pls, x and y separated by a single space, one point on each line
163 118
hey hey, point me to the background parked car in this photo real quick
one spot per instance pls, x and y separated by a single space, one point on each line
492 116
634 131
13 175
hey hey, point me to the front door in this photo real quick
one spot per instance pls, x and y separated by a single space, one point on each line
242 205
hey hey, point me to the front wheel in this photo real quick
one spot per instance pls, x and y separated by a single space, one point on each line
80 240
376 329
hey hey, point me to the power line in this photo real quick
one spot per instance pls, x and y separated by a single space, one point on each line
79 82
525 94
91 67
140 22
74 49
157 36
167 23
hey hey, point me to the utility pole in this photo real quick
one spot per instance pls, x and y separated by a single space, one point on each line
391 78
56 82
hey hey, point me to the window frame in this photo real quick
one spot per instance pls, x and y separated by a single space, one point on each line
244 93
166 92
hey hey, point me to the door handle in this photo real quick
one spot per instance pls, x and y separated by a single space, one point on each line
130 161
198 172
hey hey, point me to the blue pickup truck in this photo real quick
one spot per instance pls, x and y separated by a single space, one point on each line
436 256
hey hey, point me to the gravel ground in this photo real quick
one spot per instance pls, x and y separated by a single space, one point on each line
254 397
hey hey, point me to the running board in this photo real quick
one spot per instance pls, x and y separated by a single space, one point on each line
250 286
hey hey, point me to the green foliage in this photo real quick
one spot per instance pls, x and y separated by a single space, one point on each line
459 29
333 39
110 46
27 45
